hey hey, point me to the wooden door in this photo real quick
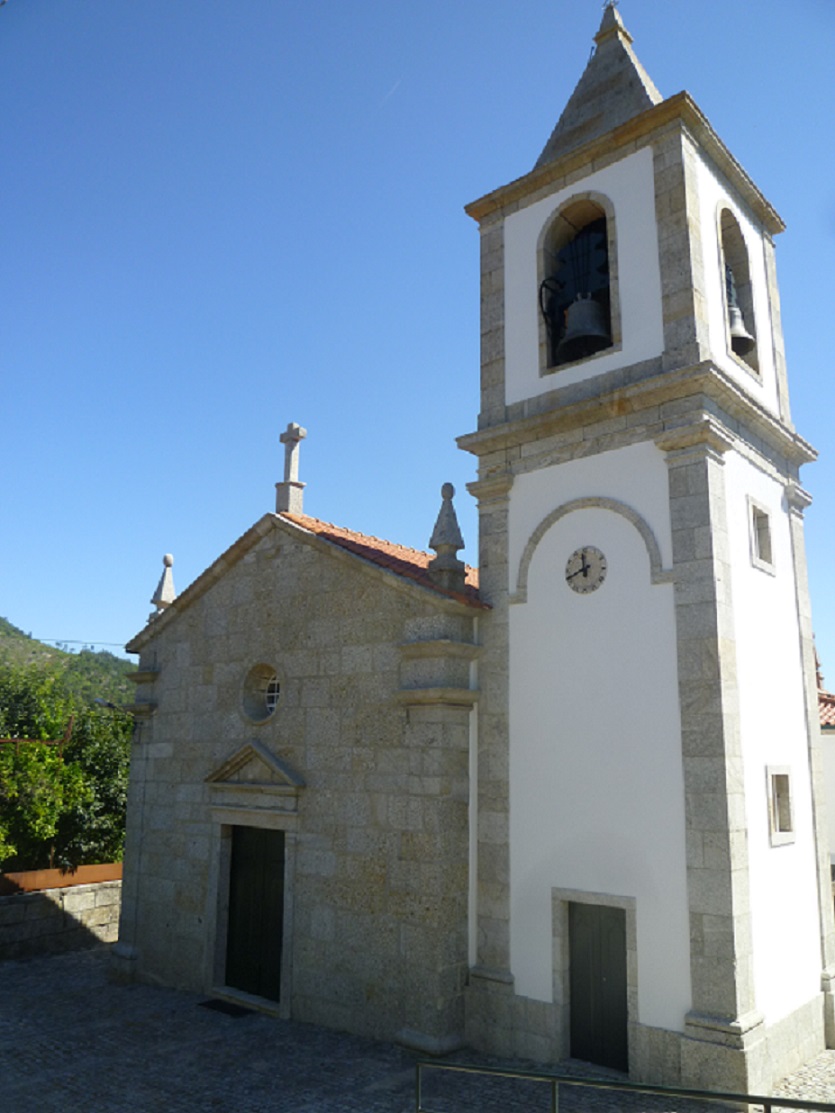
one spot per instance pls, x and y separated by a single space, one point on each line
597 974
256 912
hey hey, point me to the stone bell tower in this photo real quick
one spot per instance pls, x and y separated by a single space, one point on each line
651 889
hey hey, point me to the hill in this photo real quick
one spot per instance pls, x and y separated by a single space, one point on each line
89 674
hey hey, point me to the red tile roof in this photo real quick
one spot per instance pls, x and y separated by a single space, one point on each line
411 563
826 709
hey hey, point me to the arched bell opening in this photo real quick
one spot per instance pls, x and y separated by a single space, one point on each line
739 300
575 298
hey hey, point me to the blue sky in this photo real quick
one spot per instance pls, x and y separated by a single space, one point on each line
220 217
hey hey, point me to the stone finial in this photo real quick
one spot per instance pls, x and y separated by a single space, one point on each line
612 24
289 494
165 594
445 569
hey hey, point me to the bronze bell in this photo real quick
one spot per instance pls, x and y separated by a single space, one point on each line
586 330
741 339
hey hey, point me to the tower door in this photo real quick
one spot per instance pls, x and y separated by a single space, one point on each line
597 956
256 912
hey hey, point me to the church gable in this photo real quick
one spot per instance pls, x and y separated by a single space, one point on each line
402 567
300 621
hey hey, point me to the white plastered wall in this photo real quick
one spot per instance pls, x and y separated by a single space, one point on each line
597 794
629 186
713 197
783 881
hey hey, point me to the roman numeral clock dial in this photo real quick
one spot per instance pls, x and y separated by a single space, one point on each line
585 570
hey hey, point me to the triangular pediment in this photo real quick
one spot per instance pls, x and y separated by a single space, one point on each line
614 88
253 764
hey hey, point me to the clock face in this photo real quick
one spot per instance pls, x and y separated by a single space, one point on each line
585 570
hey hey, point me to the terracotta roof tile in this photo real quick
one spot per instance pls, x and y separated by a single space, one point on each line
826 709
411 563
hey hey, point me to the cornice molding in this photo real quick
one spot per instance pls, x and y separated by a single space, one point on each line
797 498
439 648
143 710
143 676
434 697
679 110
701 379
706 433
493 488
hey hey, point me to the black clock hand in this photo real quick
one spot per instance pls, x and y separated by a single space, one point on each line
585 568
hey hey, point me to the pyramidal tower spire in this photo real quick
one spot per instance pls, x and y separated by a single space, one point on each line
614 88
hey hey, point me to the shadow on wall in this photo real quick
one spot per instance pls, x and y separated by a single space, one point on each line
57 920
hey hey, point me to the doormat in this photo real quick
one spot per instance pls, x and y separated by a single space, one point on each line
227 1008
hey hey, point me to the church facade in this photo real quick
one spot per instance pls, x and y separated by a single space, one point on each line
573 806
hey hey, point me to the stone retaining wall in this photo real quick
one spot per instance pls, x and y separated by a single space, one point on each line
59 919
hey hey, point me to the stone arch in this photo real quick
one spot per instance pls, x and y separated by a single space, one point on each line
561 227
658 573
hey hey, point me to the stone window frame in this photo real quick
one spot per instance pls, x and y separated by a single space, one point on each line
733 251
604 204
779 787
560 900
260 691
761 536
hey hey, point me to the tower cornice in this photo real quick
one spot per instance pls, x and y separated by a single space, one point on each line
679 110
703 382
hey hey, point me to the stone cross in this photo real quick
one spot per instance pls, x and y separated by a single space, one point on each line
288 495
291 438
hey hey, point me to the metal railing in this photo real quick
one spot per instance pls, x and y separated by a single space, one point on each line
555 1080
59 742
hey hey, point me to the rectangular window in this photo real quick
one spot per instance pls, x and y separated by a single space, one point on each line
781 814
761 549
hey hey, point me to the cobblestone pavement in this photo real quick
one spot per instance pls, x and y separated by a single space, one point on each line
71 1041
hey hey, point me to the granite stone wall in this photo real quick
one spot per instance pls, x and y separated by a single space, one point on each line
363 765
56 920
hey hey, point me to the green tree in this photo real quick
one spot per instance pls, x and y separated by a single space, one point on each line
92 826
36 788
61 805
34 702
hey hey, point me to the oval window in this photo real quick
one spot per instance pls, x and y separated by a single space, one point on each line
261 693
